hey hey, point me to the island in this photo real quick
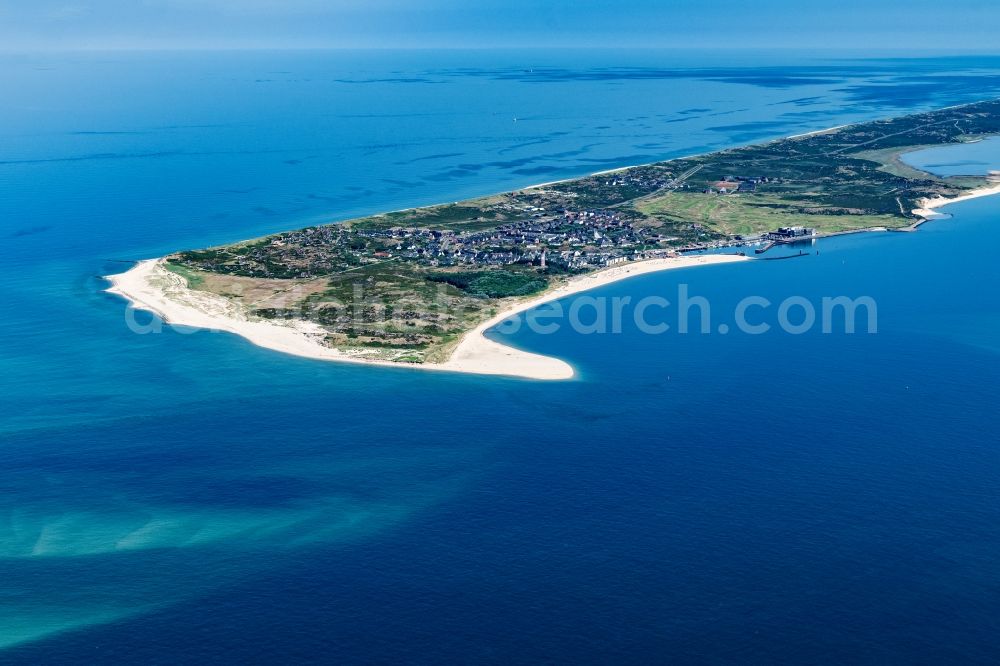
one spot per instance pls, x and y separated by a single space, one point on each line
420 287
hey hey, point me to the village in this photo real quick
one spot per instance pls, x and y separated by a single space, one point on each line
442 269
568 239
564 240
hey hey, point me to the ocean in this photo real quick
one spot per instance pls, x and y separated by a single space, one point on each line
184 497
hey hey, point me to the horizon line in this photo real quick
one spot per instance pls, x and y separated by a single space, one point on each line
506 47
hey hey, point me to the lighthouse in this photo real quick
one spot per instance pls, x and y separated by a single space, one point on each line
543 258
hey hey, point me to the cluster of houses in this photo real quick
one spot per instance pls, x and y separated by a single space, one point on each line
737 184
563 238
573 239
640 179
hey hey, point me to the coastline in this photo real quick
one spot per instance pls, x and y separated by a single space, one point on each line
667 160
928 207
684 157
150 286
603 172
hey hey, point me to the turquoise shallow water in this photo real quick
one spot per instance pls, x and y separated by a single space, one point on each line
180 497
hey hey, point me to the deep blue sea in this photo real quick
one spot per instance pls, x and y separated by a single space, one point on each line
703 498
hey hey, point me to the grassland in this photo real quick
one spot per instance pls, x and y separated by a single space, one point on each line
745 215
406 285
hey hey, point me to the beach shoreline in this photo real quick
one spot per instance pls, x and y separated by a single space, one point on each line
150 286
928 207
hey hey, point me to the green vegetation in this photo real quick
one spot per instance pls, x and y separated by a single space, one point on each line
473 215
739 215
193 278
493 284
406 285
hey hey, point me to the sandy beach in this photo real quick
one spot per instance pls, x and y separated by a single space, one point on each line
150 286
928 207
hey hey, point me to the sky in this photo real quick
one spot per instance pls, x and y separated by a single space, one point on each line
962 25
